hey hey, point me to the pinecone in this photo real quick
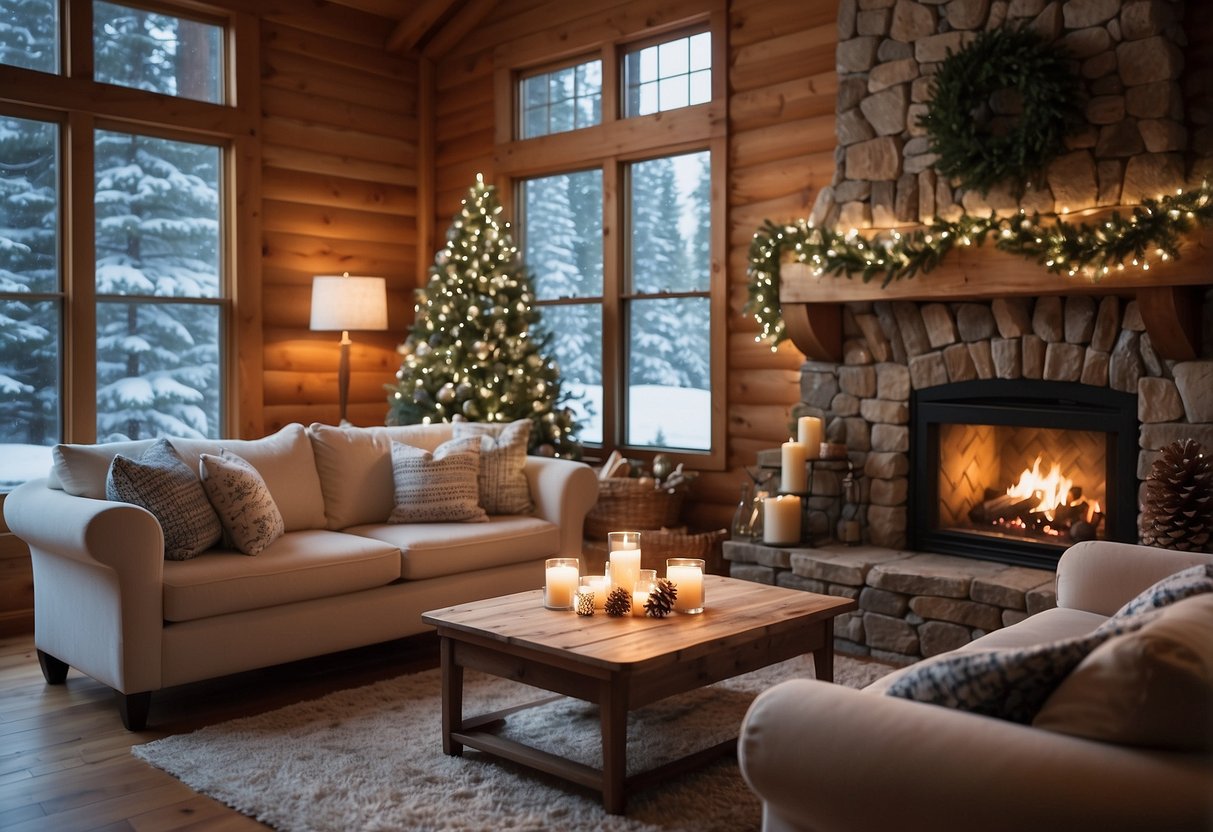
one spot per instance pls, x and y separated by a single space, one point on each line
661 599
1178 510
618 602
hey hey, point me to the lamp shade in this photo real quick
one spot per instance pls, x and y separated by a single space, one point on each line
341 302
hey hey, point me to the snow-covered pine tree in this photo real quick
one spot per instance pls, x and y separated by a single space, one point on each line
474 351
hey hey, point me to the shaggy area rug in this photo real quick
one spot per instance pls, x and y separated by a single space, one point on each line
371 759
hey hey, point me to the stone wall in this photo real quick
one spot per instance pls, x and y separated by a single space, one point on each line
891 348
911 605
1128 55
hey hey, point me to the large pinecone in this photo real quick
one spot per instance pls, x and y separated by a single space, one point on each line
618 602
1178 511
661 599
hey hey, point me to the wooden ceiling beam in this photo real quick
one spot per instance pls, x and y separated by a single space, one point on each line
391 9
457 28
409 31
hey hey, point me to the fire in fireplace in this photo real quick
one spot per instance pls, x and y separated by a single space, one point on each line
1016 471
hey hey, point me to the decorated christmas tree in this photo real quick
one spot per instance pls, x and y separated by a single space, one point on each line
475 350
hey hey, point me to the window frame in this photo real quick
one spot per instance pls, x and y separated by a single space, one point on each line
546 69
81 106
612 145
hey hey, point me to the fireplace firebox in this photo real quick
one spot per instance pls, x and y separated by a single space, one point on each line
1017 470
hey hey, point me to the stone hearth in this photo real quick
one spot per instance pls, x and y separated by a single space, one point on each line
911 605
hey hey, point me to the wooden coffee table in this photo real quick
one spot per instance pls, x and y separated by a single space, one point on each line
622 664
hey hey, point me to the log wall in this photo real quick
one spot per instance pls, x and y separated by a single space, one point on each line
781 151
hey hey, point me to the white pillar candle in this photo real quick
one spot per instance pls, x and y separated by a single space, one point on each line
638 599
560 584
600 585
625 567
793 475
687 576
809 434
781 519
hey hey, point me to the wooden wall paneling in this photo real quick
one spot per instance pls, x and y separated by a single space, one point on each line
282 36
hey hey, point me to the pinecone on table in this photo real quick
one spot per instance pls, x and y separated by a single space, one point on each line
661 599
618 602
1178 510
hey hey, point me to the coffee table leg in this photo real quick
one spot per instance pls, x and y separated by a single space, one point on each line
614 709
823 657
452 698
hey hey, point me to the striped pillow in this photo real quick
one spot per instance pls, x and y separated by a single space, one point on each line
437 487
162 483
502 480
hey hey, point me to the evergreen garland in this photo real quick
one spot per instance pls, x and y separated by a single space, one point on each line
977 147
1153 231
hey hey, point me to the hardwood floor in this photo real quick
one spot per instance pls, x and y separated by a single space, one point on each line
65 761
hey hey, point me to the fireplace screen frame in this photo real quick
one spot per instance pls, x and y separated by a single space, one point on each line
1019 403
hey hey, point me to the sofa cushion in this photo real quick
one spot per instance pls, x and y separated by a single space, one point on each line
502 479
284 460
1013 684
251 520
355 468
437 487
162 483
299 566
433 549
1152 687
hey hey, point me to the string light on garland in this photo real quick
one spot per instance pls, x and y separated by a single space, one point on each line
1153 232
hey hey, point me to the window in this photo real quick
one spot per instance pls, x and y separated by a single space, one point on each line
113 325
562 99
621 246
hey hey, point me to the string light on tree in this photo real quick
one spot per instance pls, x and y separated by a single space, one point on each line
1153 232
476 350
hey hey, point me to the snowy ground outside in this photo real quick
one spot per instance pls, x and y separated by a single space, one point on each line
683 415
19 463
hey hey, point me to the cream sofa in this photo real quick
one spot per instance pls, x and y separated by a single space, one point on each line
107 603
833 759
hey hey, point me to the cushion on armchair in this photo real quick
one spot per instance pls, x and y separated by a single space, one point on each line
1014 684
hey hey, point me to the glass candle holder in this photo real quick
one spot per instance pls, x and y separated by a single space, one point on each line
646 582
560 583
687 576
596 586
623 553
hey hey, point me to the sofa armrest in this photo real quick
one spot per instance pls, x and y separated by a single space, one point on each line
98 582
833 759
1101 576
564 492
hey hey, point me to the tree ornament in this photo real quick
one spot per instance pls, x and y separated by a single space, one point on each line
1000 108
446 393
471 409
1178 510
661 599
663 466
481 350
545 450
463 391
618 602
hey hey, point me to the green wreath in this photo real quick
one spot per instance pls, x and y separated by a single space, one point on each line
980 147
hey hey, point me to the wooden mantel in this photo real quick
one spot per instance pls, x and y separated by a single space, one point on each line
1168 294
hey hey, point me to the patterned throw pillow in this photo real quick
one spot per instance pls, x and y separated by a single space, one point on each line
246 509
437 487
502 479
1013 684
162 483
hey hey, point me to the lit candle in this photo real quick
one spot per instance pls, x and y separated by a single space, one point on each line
560 585
793 476
598 586
687 576
645 581
624 558
809 434
781 520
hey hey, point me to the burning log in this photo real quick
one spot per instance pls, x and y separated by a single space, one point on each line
1002 508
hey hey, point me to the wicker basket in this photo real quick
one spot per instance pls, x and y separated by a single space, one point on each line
625 503
666 543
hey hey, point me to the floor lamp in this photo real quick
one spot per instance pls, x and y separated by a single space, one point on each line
348 303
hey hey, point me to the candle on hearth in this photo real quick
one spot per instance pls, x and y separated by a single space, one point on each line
792 475
687 576
809 434
781 520
560 584
624 556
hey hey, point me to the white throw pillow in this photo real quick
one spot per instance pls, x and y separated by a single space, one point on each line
240 497
437 487
162 483
502 480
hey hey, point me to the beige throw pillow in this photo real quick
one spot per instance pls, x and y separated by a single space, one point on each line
502 479
437 487
1152 687
247 510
